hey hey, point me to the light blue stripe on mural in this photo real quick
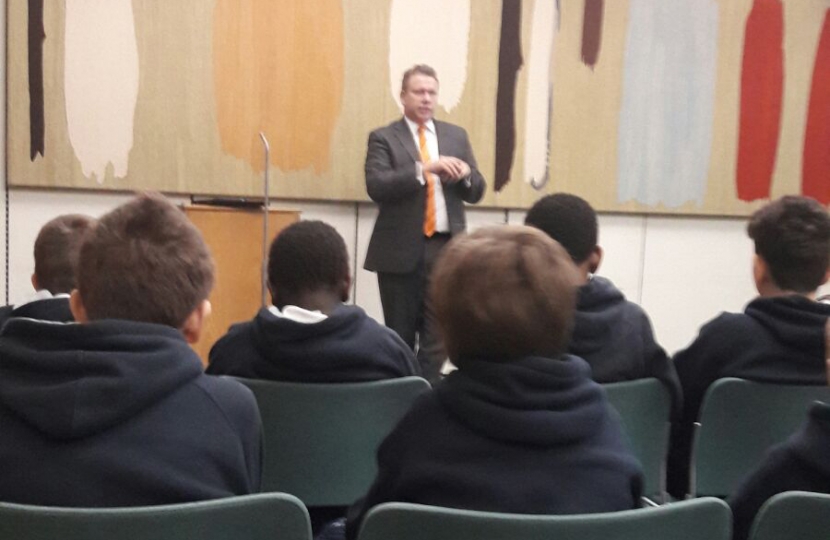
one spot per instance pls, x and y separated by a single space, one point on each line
666 118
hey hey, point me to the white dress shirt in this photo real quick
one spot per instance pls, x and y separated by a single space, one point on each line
442 220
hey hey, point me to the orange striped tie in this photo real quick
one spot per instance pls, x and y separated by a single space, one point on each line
429 211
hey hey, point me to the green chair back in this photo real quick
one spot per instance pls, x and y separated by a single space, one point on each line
738 422
645 408
793 515
321 439
268 516
698 519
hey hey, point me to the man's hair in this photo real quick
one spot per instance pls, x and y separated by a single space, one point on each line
419 69
569 220
504 292
56 252
144 261
307 256
792 235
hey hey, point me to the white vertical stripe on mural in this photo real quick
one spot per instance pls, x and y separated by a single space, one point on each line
665 130
101 83
433 32
538 111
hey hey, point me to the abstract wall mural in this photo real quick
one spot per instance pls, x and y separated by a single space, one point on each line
36 36
816 173
668 101
704 107
100 84
432 32
762 87
278 69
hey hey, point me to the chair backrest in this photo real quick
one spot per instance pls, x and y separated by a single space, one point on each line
645 408
793 514
738 422
267 516
698 519
321 439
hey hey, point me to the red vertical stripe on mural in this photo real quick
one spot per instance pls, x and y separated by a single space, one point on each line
815 176
762 81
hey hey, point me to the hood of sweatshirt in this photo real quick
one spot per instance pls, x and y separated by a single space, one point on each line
599 318
812 442
534 400
346 339
70 381
796 322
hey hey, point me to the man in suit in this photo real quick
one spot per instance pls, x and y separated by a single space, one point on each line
420 172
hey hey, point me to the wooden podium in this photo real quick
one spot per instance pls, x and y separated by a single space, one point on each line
235 240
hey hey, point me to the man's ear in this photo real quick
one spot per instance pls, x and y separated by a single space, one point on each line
76 306
192 327
35 285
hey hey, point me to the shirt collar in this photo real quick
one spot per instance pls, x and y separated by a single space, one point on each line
413 126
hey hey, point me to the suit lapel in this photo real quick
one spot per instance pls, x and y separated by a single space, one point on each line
442 139
405 137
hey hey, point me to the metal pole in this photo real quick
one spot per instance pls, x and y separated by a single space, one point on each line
265 204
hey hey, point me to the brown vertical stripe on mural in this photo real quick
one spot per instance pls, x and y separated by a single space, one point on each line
592 31
510 61
37 122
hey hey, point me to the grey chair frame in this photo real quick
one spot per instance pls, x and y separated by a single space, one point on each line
739 421
644 406
321 440
699 519
793 514
267 516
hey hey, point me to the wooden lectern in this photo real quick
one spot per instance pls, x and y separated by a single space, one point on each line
235 240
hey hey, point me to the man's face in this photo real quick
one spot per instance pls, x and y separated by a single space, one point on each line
418 99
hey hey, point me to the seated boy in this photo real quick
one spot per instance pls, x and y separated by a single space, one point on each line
800 464
56 256
610 333
780 336
114 410
520 426
310 334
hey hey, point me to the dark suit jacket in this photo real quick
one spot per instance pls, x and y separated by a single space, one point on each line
397 240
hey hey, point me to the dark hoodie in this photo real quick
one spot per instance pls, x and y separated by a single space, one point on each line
776 340
532 436
614 336
119 413
348 346
800 464
47 309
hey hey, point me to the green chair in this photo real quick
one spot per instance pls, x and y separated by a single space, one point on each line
796 515
698 519
268 516
645 408
738 422
321 439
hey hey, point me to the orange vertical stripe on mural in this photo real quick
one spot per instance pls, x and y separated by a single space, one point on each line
278 68
762 81
816 168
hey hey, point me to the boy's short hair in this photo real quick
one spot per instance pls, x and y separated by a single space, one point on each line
504 292
307 256
792 235
56 252
144 261
569 220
